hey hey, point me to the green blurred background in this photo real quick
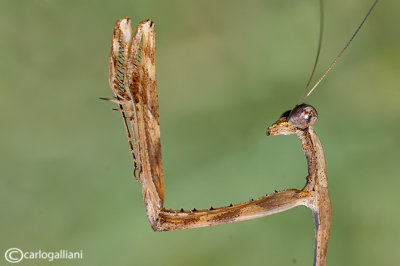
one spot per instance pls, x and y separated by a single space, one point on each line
226 70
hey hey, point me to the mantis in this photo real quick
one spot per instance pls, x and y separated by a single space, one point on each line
132 78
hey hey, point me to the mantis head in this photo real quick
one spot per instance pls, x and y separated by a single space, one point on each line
301 117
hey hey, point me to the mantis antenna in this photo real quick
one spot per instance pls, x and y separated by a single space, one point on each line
321 32
302 97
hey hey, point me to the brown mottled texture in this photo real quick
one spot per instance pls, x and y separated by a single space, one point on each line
267 205
317 182
133 81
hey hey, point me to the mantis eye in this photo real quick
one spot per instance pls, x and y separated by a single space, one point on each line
303 115
286 114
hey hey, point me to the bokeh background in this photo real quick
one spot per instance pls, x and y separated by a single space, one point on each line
226 70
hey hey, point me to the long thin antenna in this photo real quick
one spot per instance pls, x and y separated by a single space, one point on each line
344 49
321 31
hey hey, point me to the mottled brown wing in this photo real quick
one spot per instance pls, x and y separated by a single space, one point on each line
133 80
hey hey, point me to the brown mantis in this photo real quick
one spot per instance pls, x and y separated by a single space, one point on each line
133 81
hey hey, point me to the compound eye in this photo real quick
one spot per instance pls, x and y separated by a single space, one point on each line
303 115
286 114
